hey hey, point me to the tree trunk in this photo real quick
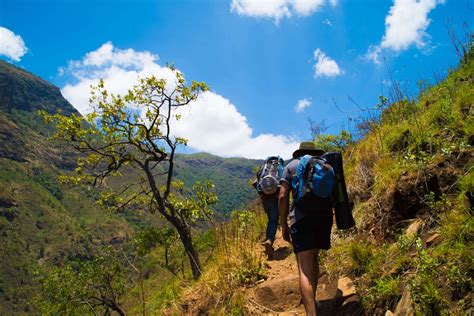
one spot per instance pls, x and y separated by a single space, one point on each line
185 236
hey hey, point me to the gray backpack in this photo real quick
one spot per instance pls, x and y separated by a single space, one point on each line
269 175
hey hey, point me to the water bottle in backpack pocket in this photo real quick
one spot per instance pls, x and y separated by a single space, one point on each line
313 183
270 174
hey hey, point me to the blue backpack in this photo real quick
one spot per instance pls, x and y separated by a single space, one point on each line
314 176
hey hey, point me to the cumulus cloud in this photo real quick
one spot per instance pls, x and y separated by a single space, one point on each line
211 123
214 124
277 9
302 104
325 66
11 45
405 25
120 69
306 7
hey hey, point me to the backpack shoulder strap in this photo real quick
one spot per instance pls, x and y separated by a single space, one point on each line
300 170
280 166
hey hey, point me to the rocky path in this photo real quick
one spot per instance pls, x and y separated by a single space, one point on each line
279 294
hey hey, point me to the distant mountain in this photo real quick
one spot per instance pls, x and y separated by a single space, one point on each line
21 90
44 223
22 132
230 176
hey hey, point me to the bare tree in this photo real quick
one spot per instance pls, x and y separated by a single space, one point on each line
316 128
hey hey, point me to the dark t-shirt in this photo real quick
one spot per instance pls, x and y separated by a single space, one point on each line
318 206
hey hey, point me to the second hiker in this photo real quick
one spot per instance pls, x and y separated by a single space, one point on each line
267 185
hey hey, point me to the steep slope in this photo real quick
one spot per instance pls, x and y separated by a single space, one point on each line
42 222
45 223
22 132
412 183
22 91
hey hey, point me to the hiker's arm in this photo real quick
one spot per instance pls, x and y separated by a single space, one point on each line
284 207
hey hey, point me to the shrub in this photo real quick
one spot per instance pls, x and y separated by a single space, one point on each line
47 181
361 254
384 294
424 288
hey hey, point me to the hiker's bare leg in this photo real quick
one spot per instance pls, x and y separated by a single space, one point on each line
316 274
316 270
308 269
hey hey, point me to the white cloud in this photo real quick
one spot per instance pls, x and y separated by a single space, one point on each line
119 68
11 45
306 7
277 9
325 66
328 23
373 54
302 104
211 123
405 25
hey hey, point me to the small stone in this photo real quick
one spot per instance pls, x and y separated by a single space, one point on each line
404 306
347 287
432 239
413 229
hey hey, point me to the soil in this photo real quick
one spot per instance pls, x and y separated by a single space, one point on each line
279 294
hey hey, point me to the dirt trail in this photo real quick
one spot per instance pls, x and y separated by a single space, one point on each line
279 294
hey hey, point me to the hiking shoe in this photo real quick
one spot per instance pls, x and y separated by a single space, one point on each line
268 244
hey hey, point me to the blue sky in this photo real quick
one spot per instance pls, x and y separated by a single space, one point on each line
260 58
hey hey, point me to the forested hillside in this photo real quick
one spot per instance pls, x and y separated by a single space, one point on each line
409 178
45 223
41 221
132 134
230 175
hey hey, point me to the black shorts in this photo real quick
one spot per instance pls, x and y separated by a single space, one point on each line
311 232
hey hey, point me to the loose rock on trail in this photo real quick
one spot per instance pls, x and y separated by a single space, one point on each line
279 294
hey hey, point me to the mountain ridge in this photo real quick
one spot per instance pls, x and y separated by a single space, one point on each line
45 223
22 90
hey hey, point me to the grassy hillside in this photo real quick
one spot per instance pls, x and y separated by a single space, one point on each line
44 223
412 184
21 90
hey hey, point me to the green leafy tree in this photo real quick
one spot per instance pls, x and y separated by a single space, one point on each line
329 142
91 286
152 237
135 132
